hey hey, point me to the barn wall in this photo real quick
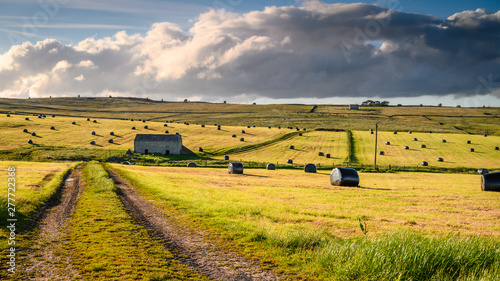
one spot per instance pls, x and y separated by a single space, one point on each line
157 147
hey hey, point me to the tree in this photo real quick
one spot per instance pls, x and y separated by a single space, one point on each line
459 106
185 100
439 105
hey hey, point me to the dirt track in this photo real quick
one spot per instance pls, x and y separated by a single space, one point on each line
190 247
43 255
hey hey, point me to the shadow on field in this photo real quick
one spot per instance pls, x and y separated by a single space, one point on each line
248 175
374 188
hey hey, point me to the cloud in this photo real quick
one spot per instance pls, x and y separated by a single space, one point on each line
317 50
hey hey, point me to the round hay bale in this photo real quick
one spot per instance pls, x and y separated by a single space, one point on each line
440 159
53 116
407 147
131 119
33 134
242 139
310 168
146 127
30 141
382 153
423 146
300 134
269 127
243 131
490 182
253 126
430 132
167 131
468 142
249 127
443 140
177 133
371 130
44 116
92 142
292 147
328 156
472 150
139 120
371 133
485 135
395 132
88 119
25 130
344 177
298 129
424 163
52 128
226 157
234 136
111 141
93 132
270 166
409 132
200 149
497 148
39 116
415 139
388 143
304 129
133 128
8 115
279 128
483 171
165 125
112 133
191 165
203 126
235 168
215 124
321 154
143 121
27 119
289 161
74 123
218 128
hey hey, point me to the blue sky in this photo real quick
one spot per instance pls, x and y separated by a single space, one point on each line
70 22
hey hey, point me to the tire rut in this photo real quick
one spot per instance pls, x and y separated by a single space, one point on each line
42 261
190 247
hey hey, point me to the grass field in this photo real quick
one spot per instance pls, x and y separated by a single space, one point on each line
299 221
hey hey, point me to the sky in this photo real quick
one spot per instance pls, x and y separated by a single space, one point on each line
277 51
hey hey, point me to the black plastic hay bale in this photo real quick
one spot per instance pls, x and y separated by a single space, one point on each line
88 119
395 132
249 127
279 127
242 139
133 128
371 130
472 150
53 116
490 182
443 140
25 130
388 143
440 159
468 142
33 134
483 171
253 126
382 153
270 166
321 154
52 128
200 149
292 147
92 142
289 161
218 128
243 131
423 146
269 127
167 131
177 133
415 139
328 156
112 133
8 115
27 119
497 148
226 157
300 134
146 127
485 135
430 132
165 125
235 168
143 121
39 116
371 133
191 165
234 136
111 141
344 177
407 147
74 123
304 129
424 163
310 168
93 133
409 132
30 141
203 126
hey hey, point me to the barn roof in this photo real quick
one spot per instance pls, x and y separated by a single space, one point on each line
162 138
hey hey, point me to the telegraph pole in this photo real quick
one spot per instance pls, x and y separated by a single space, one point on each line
376 138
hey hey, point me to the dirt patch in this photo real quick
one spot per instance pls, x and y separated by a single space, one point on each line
190 247
43 261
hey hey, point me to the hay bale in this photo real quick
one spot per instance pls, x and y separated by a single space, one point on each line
321 154
112 133
472 150
92 142
269 127
371 130
111 141
271 166
344 177
253 126
382 153
300 134
388 143
485 135
139 119
133 128
443 140
191 165
200 149
39 116
497 148
93 133
131 119
53 116
430 132
235 168
415 139
25 130
424 163
165 125
440 159
88 119
310 168
490 182
243 131
328 156
279 127
33 134
468 142
483 171
292 147
289 161
234 136
8 115
242 139
177 133
146 127
27 119
407 147
226 157
423 146
143 121
249 127
74 123
395 132
52 128
371 133
409 132
30 141
218 128
203 126
167 131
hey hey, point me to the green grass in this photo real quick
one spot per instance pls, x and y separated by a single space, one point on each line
105 243
300 224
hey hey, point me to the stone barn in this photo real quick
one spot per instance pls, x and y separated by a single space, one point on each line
164 144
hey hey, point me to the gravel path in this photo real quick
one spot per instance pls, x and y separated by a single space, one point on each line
43 261
190 247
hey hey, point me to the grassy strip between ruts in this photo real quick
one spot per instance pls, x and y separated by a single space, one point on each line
106 244
312 253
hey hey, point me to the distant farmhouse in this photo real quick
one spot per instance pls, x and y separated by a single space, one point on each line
163 144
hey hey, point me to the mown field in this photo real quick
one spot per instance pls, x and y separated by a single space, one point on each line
305 226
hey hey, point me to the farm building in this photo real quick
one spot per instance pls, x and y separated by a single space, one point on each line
164 144
354 106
